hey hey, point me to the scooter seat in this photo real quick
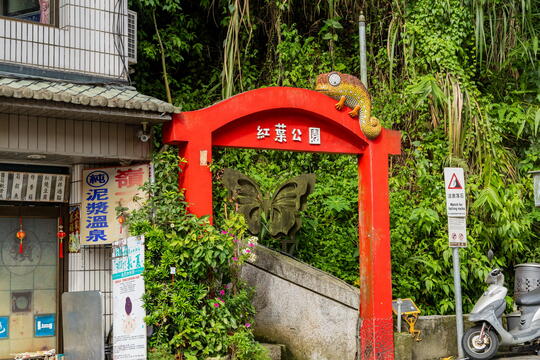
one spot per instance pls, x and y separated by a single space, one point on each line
530 298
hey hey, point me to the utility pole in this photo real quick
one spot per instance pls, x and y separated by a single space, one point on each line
362 39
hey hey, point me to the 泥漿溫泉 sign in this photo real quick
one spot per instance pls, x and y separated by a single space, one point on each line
129 340
103 190
454 185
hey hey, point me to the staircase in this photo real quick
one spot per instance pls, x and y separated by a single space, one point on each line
314 314
276 351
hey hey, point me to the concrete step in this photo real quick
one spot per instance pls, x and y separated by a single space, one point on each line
276 351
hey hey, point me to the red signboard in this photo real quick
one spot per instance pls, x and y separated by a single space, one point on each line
303 120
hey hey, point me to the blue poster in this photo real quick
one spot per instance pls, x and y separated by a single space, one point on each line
44 325
4 327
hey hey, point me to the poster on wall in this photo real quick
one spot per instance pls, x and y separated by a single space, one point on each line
129 338
103 190
74 229
33 187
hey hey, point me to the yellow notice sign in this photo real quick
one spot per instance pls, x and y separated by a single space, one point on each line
103 190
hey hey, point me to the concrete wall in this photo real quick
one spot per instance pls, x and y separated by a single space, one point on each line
438 336
313 313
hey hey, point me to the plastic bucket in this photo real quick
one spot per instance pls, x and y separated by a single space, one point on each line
512 320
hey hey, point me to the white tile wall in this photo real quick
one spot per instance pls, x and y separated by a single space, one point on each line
83 25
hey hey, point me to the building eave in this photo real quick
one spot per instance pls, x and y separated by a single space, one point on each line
101 102
79 112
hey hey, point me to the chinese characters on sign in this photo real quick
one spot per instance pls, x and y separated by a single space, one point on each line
21 186
103 191
74 229
454 181
281 134
457 231
315 136
129 340
456 207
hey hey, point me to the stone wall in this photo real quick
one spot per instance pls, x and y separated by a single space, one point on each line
311 312
439 339
315 315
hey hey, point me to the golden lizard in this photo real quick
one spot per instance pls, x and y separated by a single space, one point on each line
350 91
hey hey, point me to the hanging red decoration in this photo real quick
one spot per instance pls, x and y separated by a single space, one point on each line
21 234
121 219
61 234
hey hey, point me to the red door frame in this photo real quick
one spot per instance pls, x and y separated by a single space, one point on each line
234 122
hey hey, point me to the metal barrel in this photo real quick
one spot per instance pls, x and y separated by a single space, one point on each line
527 278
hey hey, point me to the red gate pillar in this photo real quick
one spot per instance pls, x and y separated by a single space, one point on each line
376 331
196 175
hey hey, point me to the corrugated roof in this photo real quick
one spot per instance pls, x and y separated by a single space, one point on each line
111 96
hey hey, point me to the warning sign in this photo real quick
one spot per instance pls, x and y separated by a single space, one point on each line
454 181
457 232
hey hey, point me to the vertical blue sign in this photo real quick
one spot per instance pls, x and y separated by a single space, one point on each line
4 327
44 325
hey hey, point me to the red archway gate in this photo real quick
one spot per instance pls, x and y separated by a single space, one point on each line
303 120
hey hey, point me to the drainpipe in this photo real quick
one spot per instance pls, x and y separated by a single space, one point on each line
362 39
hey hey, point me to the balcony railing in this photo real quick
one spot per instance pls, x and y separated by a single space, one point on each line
90 39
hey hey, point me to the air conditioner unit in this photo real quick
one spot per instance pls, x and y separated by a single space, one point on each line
132 37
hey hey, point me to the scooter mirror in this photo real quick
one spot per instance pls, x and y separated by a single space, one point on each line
490 255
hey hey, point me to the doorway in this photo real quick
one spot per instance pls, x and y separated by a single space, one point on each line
30 281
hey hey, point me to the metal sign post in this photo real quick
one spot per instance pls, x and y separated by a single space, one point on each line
536 186
459 310
362 38
456 210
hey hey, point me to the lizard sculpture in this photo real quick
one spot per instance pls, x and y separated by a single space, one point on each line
350 91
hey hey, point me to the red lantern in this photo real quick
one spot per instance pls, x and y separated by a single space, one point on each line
61 235
121 220
21 234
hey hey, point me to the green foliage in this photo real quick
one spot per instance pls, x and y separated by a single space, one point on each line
303 58
198 312
439 38
241 344
459 79
160 353
328 238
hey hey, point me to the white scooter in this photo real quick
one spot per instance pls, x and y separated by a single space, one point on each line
483 340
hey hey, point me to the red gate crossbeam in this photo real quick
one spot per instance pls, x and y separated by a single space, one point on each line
259 119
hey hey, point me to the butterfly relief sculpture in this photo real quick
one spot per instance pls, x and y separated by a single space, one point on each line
281 211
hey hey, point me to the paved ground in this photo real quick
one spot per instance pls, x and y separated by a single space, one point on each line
519 357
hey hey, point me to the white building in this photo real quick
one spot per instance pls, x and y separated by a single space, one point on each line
65 104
